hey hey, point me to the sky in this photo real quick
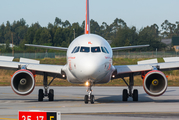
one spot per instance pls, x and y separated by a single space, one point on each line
138 13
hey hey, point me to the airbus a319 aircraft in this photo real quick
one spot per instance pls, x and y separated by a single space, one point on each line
89 60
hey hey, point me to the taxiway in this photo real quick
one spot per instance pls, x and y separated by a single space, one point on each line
108 104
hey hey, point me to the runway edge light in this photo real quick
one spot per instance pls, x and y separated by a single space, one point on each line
39 115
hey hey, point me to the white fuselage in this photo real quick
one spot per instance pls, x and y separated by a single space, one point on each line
89 57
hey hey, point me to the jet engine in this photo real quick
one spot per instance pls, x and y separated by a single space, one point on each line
155 83
23 82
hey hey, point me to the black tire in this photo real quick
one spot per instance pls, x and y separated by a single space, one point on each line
124 95
86 99
135 95
51 95
92 99
40 95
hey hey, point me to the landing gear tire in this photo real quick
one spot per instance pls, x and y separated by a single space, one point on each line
51 95
135 95
86 99
92 99
124 95
41 95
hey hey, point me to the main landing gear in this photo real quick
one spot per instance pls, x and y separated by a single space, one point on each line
89 97
125 94
49 94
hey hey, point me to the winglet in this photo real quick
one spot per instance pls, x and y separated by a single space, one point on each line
87 22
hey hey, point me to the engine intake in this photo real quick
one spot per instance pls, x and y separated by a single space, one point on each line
22 82
155 83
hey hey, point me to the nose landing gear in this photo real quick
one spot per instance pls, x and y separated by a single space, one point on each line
89 97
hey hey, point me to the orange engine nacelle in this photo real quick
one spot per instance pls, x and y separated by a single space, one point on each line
155 83
23 82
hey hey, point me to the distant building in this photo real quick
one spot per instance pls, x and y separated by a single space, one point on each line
167 42
175 43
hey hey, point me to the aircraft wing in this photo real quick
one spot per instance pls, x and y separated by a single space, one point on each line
129 47
122 69
29 64
48 47
171 63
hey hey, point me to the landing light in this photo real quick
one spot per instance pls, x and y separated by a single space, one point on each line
63 76
87 83
113 76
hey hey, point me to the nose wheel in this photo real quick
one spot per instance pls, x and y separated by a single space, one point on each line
86 99
89 97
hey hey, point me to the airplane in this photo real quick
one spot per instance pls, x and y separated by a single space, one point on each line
89 60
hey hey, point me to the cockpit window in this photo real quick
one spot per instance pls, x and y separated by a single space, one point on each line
95 49
77 49
88 49
74 49
85 49
103 50
106 50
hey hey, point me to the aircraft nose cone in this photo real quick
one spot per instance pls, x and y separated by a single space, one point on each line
90 67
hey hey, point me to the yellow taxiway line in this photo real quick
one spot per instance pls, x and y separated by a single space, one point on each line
8 119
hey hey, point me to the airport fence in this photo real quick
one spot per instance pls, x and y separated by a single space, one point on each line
35 55
116 54
152 54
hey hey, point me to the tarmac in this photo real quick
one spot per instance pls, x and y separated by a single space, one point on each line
108 104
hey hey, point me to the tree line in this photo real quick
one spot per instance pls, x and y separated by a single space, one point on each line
61 33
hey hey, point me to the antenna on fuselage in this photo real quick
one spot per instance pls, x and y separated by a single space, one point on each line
87 22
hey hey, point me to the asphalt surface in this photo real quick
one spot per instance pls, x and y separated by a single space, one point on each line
108 104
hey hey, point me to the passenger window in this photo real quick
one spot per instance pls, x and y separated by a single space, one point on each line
77 49
95 49
74 50
103 50
84 49
106 50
